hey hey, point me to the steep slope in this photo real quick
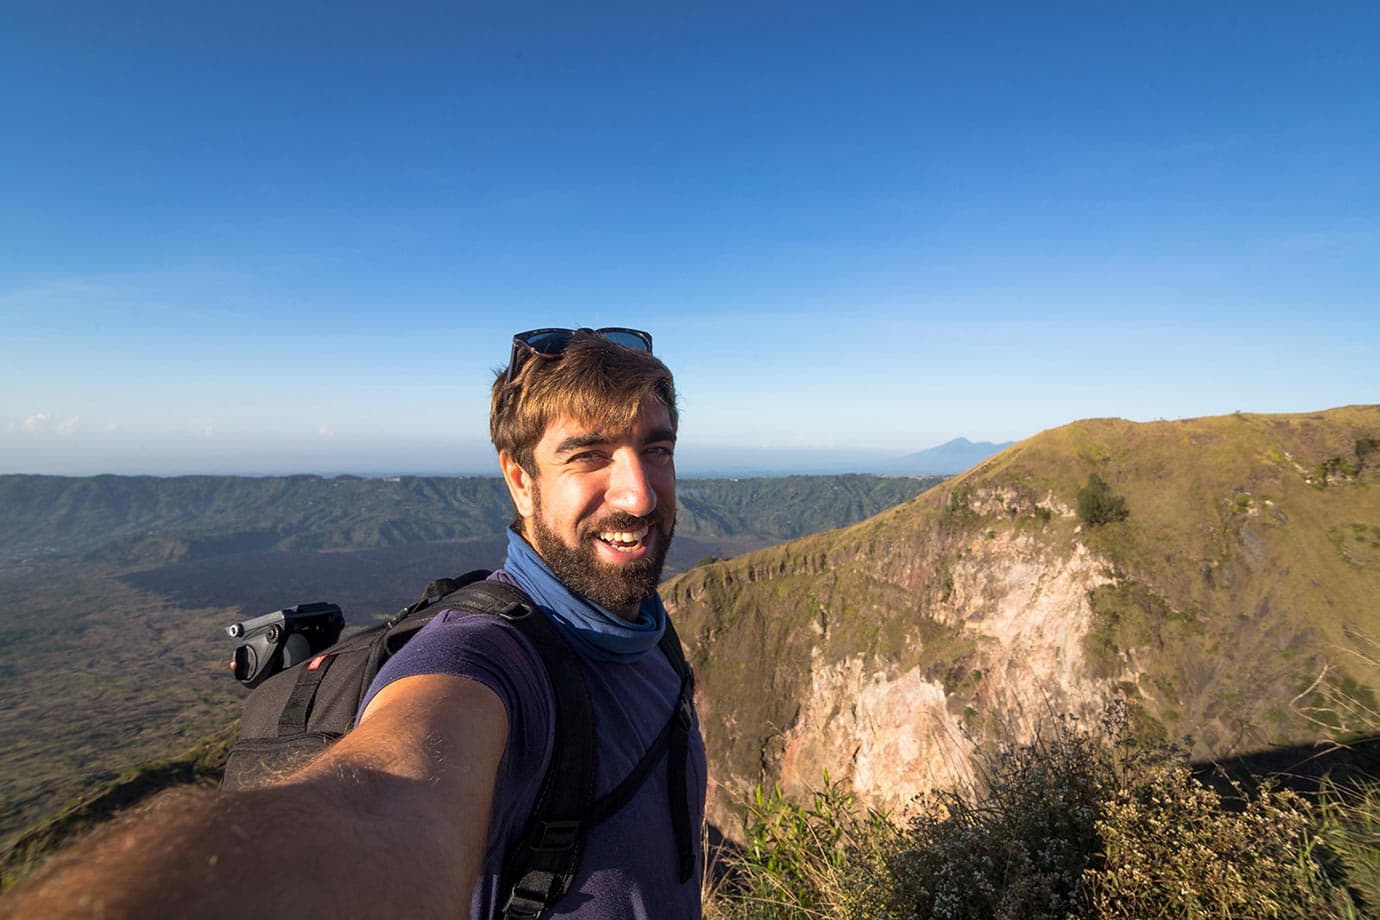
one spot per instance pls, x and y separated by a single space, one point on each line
1236 600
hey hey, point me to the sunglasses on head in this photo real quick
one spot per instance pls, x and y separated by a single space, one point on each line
552 343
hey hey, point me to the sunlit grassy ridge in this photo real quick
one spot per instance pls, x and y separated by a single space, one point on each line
1247 564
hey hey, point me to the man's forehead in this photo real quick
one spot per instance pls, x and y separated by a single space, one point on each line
652 422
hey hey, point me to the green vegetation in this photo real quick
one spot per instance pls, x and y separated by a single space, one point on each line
1097 504
1350 828
959 504
787 507
99 677
1127 615
1083 823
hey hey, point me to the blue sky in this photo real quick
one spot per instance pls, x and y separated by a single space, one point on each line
254 237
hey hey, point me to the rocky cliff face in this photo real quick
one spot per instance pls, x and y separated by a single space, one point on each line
886 652
1025 614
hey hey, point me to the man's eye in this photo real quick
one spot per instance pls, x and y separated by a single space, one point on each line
585 457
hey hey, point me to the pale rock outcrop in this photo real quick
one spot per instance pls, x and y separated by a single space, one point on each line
893 735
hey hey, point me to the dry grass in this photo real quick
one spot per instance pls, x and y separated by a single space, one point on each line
1083 823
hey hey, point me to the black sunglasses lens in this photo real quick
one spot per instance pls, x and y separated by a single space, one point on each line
548 343
627 339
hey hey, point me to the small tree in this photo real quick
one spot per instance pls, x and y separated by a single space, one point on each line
1097 504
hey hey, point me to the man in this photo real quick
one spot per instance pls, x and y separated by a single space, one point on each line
411 813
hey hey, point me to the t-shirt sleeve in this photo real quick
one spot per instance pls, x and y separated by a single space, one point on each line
493 652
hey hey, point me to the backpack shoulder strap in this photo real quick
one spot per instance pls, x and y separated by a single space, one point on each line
541 864
670 647
539 867
678 759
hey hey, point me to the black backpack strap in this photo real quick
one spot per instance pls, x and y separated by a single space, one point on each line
443 588
678 760
293 720
540 866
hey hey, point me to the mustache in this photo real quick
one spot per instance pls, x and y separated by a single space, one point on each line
622 521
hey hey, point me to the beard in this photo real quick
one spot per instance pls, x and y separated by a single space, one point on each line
615 587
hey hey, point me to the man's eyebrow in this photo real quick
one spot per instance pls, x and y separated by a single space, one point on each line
661 434
581 441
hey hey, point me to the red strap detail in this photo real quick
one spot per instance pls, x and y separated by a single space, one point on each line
317 662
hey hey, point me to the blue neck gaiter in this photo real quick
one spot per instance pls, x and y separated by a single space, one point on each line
594 631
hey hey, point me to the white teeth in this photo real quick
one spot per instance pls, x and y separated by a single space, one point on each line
624 536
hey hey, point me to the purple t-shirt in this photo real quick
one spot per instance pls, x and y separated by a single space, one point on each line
629 867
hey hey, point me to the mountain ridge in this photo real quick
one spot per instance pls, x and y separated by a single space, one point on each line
950 458
887 651
133 520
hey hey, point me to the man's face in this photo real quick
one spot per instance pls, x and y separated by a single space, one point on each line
600 506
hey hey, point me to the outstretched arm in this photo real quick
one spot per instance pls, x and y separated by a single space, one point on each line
391 821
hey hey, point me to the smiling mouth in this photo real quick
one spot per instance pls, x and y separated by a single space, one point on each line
625 541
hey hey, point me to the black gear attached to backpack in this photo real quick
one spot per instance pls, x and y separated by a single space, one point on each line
294 714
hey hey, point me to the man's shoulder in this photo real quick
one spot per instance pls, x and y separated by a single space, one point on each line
486 605
460 632
466 637
484 612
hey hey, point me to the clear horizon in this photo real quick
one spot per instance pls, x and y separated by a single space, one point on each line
258 238
691 463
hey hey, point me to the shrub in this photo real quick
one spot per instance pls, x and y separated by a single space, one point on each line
1083 823
825 859
1017 847
1097 504
1169 848
959 504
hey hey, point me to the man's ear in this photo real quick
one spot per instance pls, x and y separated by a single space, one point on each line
521 484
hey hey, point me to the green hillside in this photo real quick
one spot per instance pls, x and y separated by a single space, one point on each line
1250 560
1236 603
126 520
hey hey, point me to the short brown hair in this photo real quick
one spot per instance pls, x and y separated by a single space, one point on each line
594 380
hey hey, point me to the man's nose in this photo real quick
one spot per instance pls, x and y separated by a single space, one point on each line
630 488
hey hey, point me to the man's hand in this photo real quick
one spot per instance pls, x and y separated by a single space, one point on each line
391 821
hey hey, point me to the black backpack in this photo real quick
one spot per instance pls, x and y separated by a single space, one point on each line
303 708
